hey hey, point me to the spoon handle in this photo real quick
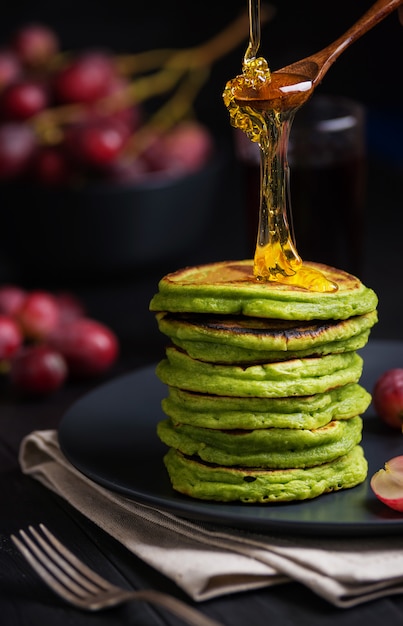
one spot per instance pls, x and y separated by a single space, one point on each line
326 57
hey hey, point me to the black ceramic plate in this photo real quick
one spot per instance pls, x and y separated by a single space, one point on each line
109 435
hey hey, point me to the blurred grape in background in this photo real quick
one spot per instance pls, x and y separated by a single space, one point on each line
107 164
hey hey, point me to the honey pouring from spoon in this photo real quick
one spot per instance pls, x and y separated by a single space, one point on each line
262 104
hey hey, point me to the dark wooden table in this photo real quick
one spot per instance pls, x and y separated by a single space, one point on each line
25 600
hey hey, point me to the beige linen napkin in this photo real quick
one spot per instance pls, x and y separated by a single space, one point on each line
208 561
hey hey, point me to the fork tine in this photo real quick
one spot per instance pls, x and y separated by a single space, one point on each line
77 584
42 570
59 564
78 570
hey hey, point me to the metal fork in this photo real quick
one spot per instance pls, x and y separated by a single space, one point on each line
76 583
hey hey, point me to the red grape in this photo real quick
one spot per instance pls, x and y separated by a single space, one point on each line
23 99
38 369
92 139
10 68
46 336
128 170
70 307
17 145
10 337
39 314
185 148
189 144
51 166
129 115
11 299
35 44
89 347
86 79
96 143
387 397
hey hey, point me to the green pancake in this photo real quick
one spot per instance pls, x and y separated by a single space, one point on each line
305 412
270 448
264 403
296 377
222 339
217 353
229 287
209 482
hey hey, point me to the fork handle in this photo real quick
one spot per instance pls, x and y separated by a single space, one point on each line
188 614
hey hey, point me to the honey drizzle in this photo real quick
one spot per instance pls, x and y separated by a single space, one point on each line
254 102
254 32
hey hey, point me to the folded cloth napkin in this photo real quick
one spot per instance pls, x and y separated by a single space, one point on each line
207 561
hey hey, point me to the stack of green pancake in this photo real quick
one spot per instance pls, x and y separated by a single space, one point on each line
264 399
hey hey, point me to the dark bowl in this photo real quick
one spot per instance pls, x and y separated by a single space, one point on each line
108 228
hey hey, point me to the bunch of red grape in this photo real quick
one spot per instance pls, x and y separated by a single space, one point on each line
65 118
46 338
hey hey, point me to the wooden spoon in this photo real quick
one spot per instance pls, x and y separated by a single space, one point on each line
292 85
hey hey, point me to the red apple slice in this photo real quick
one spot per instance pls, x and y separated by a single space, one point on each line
387 483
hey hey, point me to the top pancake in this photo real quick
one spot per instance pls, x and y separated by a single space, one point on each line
229 287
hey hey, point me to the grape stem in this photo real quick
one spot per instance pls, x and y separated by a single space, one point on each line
183 72
170 113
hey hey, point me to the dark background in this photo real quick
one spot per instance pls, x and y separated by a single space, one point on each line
369 71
